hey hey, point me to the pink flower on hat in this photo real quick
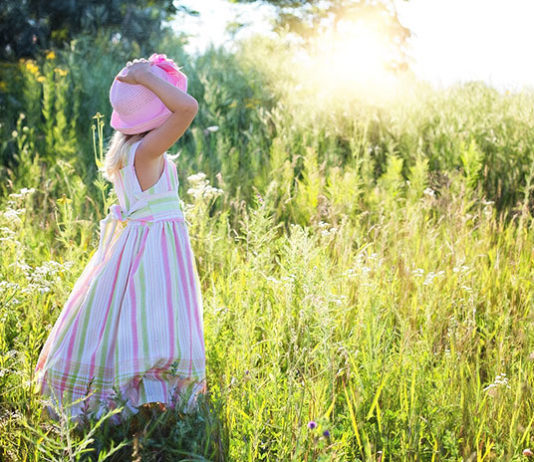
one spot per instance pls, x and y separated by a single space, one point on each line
171 68
160 58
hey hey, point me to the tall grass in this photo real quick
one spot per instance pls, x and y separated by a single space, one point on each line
366 268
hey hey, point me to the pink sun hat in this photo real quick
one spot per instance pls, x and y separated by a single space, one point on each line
136 109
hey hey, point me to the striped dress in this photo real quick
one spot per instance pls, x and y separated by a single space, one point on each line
131 331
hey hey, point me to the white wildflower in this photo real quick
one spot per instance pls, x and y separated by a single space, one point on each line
200 187
272 279
197 177
501 381
13 214
431 276
429 192
419 272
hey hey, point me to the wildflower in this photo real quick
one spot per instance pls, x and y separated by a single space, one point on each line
272 279
13 214
500 381
51 55
291 277
32 67
418 272
246 372
201 187
14 133
41 79
311 425
527 452
431 276
63 200
213 128
197 177
429 192
326 434
260 199
23 192
3 86
61 72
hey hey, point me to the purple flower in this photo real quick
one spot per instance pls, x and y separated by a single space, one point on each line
246 372
326 433
311 424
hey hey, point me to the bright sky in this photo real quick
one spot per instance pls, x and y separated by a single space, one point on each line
454 40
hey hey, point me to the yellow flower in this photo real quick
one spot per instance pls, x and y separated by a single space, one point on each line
30 65
51 55
3 86
61 72
63 200
41 79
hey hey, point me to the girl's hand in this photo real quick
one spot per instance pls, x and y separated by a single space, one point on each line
135 70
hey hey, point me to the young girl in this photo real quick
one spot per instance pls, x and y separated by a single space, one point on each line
131 331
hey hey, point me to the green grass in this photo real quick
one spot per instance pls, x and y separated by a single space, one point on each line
364 266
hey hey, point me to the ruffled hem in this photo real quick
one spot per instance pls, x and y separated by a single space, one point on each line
178 392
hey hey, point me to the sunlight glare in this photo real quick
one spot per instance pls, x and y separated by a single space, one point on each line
350 62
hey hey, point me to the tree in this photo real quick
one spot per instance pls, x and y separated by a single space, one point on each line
27 26
306 18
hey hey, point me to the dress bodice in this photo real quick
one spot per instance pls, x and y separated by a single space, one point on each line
127 185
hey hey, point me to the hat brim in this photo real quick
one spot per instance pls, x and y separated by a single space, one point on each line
118 124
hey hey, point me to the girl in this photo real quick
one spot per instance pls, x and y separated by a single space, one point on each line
131 331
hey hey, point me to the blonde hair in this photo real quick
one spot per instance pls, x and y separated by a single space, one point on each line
117 151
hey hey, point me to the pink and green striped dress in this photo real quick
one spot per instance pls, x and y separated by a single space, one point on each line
132 327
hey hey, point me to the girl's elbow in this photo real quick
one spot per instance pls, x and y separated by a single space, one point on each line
192 106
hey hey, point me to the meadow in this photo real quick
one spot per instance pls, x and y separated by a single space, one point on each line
366 265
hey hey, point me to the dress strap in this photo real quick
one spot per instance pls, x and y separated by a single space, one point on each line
131 152
175 180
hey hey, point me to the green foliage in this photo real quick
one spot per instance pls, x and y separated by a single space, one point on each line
364 267
31 26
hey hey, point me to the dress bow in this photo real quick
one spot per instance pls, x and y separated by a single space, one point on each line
116 212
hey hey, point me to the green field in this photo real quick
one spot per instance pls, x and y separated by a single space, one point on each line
365 265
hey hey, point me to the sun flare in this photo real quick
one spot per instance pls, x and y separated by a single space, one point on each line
355 52
351 60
